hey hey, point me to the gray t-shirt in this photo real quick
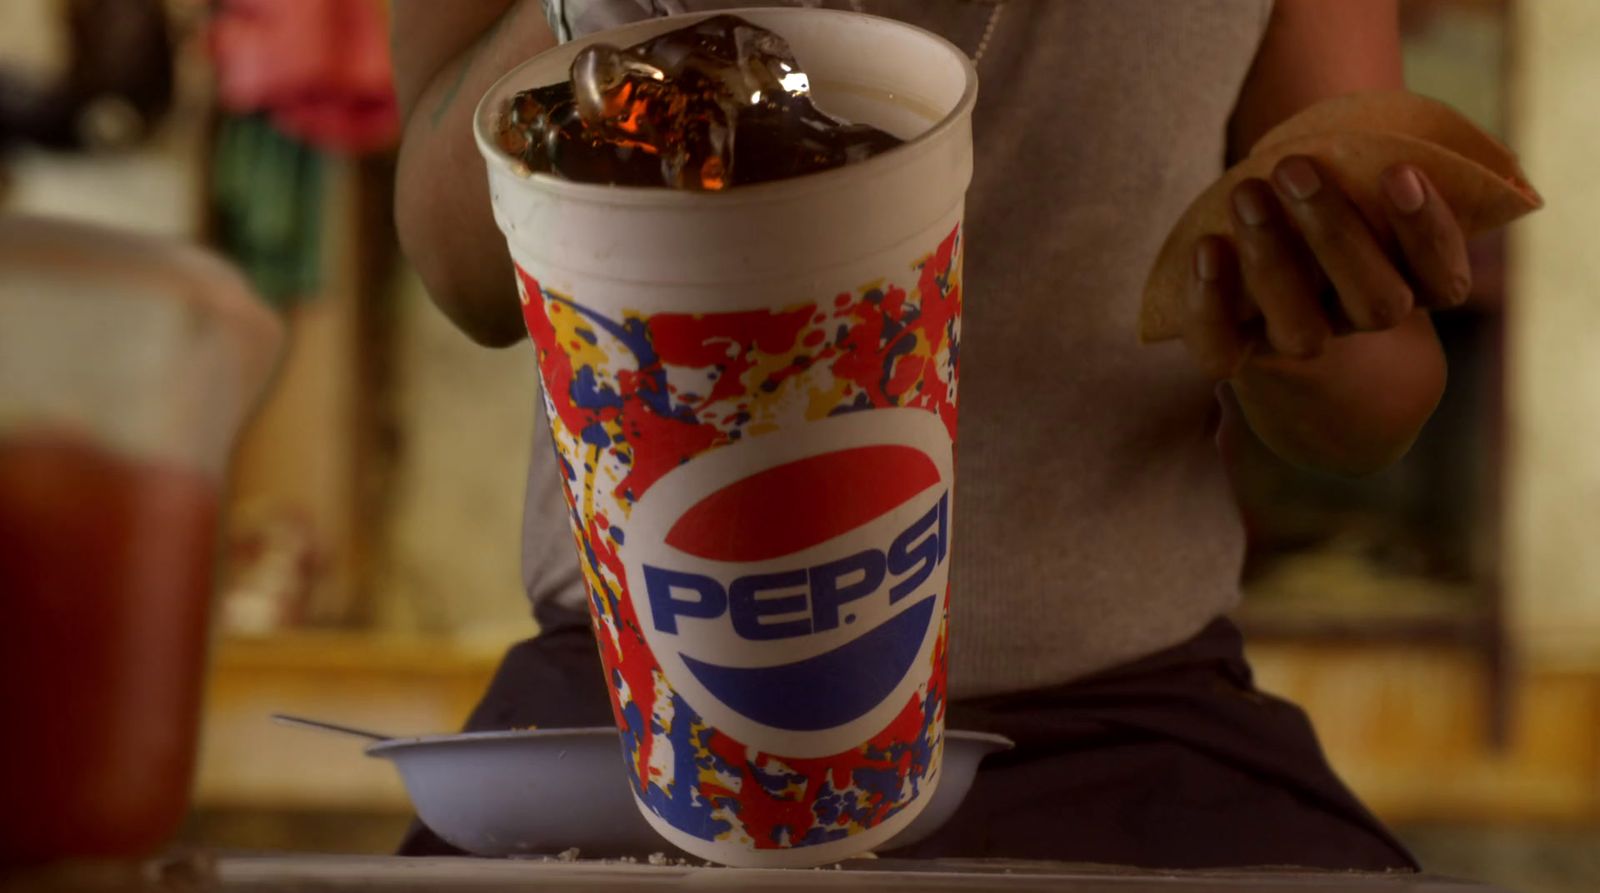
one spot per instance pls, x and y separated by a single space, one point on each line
1096 523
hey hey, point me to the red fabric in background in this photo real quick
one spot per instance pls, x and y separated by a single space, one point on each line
320 69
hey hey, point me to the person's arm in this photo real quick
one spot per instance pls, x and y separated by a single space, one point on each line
446 54
1341 367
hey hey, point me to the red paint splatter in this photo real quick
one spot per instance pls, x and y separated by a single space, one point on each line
861 353
894 303
729 342
665 443
908 371
555 366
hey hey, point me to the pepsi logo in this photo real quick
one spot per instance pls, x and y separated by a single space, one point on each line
792 586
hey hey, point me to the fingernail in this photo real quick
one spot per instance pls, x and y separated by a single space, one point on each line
1249 205
1404 189
1207 266
1298 178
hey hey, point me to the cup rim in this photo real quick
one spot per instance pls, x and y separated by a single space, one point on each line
759 193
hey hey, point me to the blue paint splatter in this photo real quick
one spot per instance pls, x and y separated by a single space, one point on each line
589 393
633 730
860 403
883 782
634 336
823 834
828 805
683 806
593 560
775 782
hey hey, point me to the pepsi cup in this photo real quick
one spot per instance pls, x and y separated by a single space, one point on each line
752 396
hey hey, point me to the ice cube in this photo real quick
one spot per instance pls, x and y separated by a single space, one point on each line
716 104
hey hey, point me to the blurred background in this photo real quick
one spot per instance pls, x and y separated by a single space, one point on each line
1440 622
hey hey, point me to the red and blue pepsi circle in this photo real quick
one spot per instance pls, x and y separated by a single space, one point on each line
795 590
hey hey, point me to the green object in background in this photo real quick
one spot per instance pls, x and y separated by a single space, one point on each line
267 195
1458 56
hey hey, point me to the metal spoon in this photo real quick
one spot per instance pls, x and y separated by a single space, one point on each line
324 726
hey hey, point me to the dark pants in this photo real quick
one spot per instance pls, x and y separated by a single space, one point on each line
1173 761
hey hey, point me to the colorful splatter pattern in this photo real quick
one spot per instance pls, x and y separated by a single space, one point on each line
629 399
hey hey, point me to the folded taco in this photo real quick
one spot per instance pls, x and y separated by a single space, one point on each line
1354 138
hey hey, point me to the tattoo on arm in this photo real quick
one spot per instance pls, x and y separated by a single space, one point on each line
465 64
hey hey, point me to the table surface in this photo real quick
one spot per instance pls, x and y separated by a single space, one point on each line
270 873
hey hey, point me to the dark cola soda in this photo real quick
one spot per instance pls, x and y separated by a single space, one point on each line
717 104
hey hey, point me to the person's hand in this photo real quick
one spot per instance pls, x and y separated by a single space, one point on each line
1304 267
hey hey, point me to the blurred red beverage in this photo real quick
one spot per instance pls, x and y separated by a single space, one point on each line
105 578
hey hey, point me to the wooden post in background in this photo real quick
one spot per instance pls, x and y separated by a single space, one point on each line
1553 367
